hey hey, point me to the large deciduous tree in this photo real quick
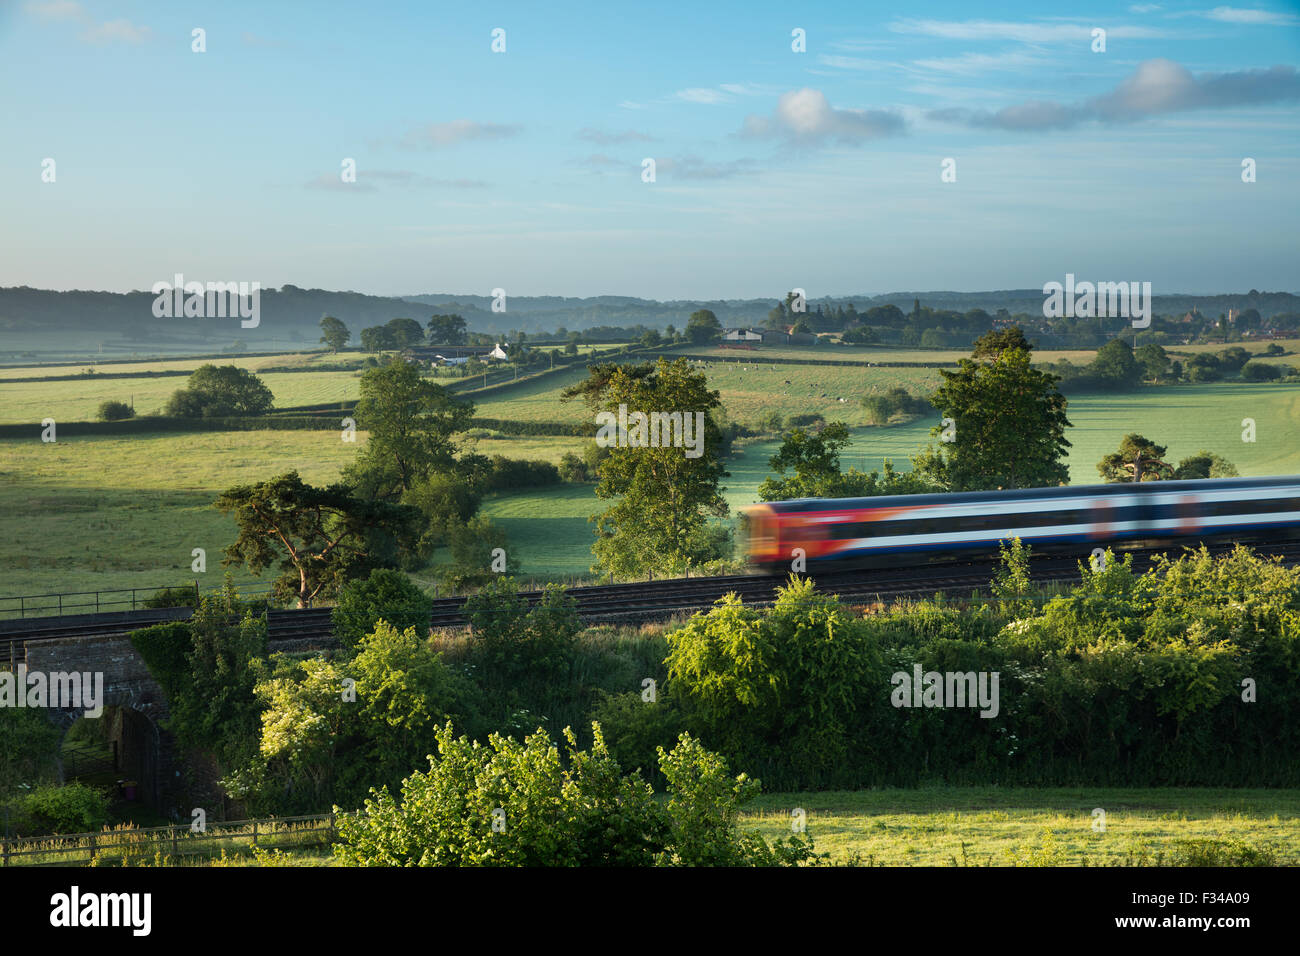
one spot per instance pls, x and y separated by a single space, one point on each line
1008 425
703 327
213 391
334 333
405 332
447 330
411 422
665 495
318 538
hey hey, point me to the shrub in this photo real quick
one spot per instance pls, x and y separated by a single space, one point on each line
171 597
112 411
29 747
521 804
385 595
781 689
1261 372
70 808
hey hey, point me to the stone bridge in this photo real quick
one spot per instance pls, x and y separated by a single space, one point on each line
133 703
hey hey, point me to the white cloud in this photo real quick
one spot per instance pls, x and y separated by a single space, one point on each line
70 11
1253 17
806 117
970 64
113 30
703 94
438 135
1029 32
850 62
1156 87
610 137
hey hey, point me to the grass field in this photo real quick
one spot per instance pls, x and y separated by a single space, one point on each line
1001 827
283 360
952 826
97 513
79 400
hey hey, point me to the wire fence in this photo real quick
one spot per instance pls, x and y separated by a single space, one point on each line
171 845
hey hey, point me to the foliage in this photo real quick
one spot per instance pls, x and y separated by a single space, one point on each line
783 686
216 391
64 808
664 496
411 422
1141 455
324 740
1011 583
1010 427
170 597
815 459
29 746
334 333
523 804
1138 459
112 411
881 409
318 538
474 545
386 595
703 327
447 330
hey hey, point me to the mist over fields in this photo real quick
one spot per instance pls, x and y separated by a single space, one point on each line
71 323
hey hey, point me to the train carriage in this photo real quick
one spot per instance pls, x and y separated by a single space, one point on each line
900 529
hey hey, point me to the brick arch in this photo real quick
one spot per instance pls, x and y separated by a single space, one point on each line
131 697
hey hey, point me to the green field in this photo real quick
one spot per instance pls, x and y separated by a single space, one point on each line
973 826
1003 827
78 400
98 513
282 360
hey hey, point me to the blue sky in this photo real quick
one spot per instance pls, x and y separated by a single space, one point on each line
774 169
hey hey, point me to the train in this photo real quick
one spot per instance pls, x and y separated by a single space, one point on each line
895 530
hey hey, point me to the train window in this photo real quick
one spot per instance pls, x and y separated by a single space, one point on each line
903 527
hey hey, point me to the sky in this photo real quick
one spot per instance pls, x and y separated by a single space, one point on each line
524 169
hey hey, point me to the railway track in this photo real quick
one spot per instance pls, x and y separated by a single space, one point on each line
639 602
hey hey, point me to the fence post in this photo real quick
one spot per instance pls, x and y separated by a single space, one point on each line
254 833
175 850
92 846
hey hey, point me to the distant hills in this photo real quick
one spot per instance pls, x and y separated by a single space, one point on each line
120 322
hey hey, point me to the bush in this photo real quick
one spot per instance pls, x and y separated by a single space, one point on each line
522 804
507 474
573 469
112 411
171 597
29 748
779 691
1261 372
385 595
70 808
515 642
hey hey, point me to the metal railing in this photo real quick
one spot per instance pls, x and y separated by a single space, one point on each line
60 603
